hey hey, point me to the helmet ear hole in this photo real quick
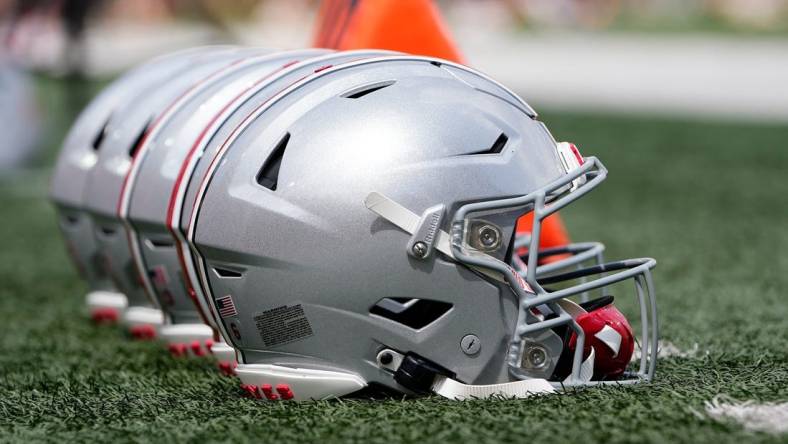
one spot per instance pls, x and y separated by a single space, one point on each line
412 313
155 243
227 273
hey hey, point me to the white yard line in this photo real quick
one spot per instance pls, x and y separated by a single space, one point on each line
759 417
667 349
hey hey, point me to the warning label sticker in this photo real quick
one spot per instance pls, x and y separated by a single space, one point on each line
282 325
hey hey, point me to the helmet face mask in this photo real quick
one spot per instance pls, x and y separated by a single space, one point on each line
379 202
531 294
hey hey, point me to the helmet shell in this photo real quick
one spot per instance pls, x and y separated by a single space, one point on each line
79 154
171 141
125 131
308 253
214 139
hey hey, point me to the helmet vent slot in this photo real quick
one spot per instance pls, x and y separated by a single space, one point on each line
227 273
496 148
160 243
269 174
412 313
107 231
96 144
367 89
140 137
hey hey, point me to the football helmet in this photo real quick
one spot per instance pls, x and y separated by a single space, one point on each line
357 230
173 138
125 130
76 160
203 146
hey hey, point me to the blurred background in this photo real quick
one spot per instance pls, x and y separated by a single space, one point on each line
685 101
704 59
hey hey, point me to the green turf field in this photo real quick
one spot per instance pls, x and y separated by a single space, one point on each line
709 201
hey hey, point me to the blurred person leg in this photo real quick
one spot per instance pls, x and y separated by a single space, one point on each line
74 14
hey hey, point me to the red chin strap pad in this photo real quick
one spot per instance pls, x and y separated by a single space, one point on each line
608 363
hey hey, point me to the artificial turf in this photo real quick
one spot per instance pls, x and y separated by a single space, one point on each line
708 200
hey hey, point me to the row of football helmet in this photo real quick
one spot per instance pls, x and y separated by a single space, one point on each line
329 222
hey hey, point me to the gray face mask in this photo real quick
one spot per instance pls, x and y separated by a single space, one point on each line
528 279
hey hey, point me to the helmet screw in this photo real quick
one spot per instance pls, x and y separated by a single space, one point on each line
488 236
470 344
420 249
386 358
537 357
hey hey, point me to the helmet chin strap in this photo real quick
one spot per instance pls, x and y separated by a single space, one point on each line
422 376
452 389
449 388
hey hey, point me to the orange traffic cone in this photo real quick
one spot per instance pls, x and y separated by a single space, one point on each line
414 27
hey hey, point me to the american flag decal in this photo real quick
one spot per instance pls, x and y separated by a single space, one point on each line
226 306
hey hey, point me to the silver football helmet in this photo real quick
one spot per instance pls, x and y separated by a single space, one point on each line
357 230
125 130
204 145
174 142
78 157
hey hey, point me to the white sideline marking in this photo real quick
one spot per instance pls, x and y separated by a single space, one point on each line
667 349
767 417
